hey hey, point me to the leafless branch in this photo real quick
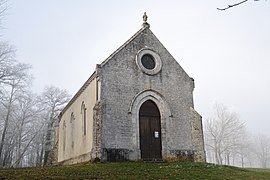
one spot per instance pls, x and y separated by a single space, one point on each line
232 5
26 147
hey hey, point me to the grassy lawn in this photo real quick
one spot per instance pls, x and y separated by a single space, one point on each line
136 170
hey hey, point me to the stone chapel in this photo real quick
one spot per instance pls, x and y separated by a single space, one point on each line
137 105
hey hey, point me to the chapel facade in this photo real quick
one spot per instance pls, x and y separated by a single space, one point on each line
137 105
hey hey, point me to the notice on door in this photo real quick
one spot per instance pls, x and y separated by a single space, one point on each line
156 134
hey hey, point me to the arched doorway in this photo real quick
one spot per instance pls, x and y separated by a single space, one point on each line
150 131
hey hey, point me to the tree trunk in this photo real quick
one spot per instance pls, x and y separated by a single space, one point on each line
6 126
19 143
37 155
41 156
242 161
228 158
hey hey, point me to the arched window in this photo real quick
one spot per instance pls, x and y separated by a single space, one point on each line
72 119
64 135
83 112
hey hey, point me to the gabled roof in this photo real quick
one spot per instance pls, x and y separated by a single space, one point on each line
121 47
102 64
93 76
89 80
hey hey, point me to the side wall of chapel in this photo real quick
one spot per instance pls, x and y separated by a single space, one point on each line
74 142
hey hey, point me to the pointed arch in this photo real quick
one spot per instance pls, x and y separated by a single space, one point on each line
83 112
150 130
72 119
146 94
64 135
165 115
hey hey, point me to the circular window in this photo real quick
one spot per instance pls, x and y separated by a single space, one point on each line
148 61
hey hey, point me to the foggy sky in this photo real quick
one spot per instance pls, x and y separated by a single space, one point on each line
226 52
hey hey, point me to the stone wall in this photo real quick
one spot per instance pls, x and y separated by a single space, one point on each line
197 137
74 145
122 80
97 126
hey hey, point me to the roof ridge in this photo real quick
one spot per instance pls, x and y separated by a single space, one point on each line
79 92
102 64
122 46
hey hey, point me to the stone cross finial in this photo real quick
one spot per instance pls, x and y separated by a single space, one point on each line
145 18
145 24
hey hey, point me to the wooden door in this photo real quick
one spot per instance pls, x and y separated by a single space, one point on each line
150 131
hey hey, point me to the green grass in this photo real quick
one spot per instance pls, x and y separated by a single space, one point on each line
136 170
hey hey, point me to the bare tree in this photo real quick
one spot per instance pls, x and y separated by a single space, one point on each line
36 136
3 9
243 151
11 93
7 60
54 100
26 125
223 132
10 69
262 149
26 113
